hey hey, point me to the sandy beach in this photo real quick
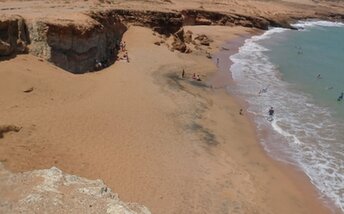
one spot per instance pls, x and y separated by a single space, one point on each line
175 145
170 143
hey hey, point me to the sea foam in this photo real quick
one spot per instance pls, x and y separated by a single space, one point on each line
307 135
306 24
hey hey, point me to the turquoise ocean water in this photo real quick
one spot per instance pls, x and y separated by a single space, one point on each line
300 74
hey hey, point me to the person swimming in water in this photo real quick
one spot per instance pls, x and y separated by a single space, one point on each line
263 90
340 98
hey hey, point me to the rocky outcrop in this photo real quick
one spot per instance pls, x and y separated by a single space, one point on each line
282 22
178 45
52 191
188 37
202 40
166 23
79 46
202 17
13 36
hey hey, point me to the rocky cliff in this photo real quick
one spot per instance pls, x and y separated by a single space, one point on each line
76 45
201 17
14 36
52 191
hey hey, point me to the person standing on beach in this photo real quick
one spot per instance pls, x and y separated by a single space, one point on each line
198 78
217 62
183 74
271 114
126 57
124 46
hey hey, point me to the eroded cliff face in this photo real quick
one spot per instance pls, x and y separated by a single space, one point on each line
77 50
201 17
52 191
77 46
162 22
13 35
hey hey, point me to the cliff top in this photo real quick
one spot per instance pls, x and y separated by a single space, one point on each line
62 10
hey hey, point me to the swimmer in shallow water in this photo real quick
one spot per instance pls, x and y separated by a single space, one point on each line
263 90
271 111
340 98
271 114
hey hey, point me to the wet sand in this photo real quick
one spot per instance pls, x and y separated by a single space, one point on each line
174 145
223 79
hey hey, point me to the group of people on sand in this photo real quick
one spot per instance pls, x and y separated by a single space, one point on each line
122 48
194 76
126 57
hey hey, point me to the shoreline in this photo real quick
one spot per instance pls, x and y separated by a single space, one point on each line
296 175
182 149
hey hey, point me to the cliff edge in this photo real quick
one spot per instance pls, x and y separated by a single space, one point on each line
52 191
90 32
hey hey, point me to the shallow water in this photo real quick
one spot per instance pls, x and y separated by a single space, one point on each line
308 125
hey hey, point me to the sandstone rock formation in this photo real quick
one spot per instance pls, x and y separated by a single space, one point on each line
13 35
203 40
52 191
74 46
178 45
202 17
77 45
188 37
166 23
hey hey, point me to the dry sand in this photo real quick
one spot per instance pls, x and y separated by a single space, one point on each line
171 144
